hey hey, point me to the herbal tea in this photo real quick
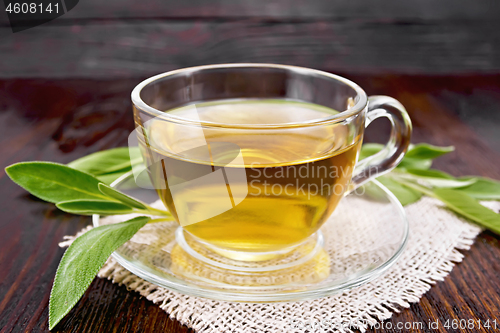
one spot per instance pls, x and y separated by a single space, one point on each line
250 190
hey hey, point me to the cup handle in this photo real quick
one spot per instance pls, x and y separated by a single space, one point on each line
393 152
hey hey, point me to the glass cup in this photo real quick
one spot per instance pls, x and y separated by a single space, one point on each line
251 159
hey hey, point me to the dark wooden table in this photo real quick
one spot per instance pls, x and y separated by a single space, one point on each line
60 120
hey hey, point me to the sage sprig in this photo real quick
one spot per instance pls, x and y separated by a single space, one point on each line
82 187
413 178
78 192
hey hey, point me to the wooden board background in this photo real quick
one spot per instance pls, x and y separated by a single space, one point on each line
123 38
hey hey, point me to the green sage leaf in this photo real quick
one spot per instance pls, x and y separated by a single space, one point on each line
464 205
55 182
414 163
91 207
112 193
419 156
109 178
482 189
427 152
81 262
404 194
430 173
131 182
108 161
369 149
436 178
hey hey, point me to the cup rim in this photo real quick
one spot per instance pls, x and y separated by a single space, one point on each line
339 117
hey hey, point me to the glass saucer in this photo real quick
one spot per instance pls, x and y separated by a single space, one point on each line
363 238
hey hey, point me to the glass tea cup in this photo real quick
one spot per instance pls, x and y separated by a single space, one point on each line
251 159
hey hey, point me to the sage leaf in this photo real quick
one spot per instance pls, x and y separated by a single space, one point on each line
91 207
404 194
414 163
436 178
464 205
430 173
112 193
427 151
143 180
108 161
55 182
482 189
109 178
369 149
81 262
419 156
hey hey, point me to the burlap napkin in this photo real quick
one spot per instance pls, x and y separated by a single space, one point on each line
436 235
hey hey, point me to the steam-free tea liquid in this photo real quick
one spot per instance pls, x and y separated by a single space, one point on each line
277 186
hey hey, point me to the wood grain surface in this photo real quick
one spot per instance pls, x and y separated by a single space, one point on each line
107 47
60 120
